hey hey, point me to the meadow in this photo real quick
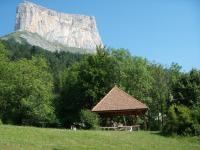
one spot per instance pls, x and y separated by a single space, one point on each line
31 138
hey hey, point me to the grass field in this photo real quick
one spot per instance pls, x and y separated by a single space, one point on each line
29 138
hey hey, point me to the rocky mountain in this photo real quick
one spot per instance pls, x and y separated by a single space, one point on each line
39 26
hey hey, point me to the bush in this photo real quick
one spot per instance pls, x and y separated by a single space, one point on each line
1 122
90 119
196 114
196 120
196 129
179 121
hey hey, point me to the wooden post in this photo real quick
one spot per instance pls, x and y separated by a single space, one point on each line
148 120
124 120
145 122
134 119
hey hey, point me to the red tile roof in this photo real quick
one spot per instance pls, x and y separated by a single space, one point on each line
118 100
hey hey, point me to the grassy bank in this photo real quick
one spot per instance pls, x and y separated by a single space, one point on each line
21 138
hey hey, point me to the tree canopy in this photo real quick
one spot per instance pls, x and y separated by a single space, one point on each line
39 87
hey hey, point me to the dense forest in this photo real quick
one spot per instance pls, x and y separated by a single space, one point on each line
57 89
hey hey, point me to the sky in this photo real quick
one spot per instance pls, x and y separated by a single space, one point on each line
163 31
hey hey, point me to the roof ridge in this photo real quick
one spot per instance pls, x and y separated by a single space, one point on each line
103 98
131 96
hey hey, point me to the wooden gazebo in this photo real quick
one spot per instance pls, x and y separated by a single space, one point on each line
119 103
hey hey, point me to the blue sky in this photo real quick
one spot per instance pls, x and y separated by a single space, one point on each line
163 31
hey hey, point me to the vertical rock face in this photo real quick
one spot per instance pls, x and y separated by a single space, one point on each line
72 30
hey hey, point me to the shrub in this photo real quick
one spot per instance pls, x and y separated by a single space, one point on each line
196 129
179 121
196 120
1 122
90 119
196 114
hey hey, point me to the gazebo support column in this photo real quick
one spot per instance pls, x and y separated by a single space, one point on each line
124 118
135 118
145 122
148 123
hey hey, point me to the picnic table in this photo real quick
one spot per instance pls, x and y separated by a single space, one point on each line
123 128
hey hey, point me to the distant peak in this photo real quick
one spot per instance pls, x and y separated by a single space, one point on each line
72 30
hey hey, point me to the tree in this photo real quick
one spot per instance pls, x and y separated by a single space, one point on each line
97 75
85 83
187 89
26 91
159 94
135 77
70 100
183 114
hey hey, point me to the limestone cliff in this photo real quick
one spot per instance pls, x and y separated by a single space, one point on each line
71 30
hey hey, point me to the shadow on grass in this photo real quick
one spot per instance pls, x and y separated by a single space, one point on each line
192 139
58 149
159 133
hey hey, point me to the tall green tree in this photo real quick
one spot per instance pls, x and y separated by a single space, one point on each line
97 75
187 89
85 83
135 77
159 94
25 91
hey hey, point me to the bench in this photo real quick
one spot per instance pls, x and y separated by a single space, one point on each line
123 128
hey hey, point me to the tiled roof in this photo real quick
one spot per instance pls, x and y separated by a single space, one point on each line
118 100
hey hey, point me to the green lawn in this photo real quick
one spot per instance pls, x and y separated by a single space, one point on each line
29 138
